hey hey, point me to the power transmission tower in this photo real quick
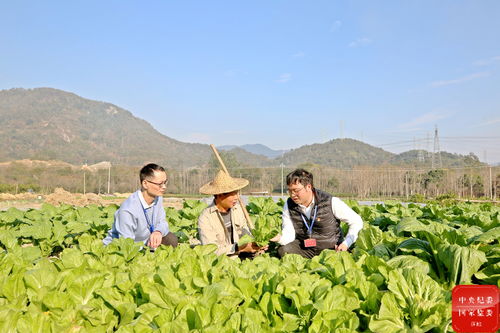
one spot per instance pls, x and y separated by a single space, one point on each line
436 150
420 156
416 147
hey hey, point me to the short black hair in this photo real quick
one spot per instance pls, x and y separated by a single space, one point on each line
149 171
299 176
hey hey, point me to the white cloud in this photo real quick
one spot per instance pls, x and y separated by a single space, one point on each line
489 122
285 77
426 118
335 26
298 55
486 62
360 42
459 80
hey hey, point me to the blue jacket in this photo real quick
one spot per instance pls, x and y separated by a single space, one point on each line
131 222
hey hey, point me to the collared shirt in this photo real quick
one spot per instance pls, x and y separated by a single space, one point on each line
131 222
211 229
339 209
144 203
148 209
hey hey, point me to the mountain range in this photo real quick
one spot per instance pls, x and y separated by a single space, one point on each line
51 124
258 149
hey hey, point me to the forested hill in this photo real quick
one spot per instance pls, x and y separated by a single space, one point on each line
347 153
46 123
341 153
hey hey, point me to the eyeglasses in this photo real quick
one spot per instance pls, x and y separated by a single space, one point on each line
296 190
159 184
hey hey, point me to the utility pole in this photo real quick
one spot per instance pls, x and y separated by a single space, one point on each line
109 177
282 165
428 142
470 183
406 185
491 185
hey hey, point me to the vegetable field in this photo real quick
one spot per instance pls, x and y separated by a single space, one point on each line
55 274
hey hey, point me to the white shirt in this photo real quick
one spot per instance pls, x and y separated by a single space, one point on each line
339 209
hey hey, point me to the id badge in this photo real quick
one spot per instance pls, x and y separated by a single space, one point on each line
310 242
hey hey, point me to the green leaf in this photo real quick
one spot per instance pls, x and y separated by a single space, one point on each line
417 246
490 274
411 262
8 239
205 250
389 318
83 288
419 297
338 298
100 315
40 230
366 290
487 237
245 239
14 291
336 320
462 262
369 237
246 287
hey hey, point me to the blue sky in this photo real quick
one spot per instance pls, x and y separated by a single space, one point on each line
280 73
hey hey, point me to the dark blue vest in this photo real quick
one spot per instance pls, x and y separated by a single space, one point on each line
326 229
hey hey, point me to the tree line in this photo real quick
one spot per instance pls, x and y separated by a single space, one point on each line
357 182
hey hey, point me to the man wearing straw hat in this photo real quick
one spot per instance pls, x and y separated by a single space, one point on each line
223 223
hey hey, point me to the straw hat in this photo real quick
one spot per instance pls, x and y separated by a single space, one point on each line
223 183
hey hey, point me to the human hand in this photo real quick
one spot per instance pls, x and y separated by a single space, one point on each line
248 248
275 238
341 247
263 249
155 239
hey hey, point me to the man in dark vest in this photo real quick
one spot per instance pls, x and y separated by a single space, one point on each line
311 219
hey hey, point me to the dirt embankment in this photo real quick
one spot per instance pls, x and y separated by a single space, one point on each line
61 196
37 163
20 196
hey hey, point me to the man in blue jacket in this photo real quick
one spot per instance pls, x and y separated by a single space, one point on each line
142 216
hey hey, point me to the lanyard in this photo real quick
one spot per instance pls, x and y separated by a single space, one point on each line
310 228
150 224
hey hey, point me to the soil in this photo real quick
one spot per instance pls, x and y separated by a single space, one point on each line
60 196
